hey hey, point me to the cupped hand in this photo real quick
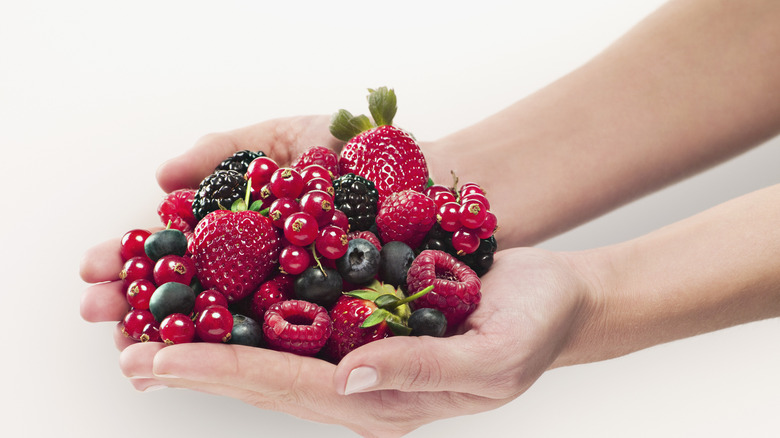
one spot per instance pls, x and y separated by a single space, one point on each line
533 300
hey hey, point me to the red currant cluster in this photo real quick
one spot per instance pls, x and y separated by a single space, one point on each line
300 204
465 213
153 287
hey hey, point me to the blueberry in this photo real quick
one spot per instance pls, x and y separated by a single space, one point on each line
395 260
360 263
427 322
246 331
171 298
319 285
165 242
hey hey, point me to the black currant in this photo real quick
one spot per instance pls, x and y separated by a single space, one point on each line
171 298
319 285
246 331
165 242
427 322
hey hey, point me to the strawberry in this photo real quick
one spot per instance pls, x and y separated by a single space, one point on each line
361 316
235 251
384 154
406 216
319 155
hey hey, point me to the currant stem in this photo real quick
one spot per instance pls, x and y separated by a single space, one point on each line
317 260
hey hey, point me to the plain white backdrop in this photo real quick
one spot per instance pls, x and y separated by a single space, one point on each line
94 95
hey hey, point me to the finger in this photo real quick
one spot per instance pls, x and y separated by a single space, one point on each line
104 302
135 362
102 262
409 364
121 340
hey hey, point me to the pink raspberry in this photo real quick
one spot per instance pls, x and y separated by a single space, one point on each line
406 216
296 326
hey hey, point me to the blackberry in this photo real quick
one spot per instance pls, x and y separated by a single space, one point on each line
218 191
357 198
240 161
480 260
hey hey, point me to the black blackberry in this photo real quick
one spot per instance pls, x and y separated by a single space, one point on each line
240 161
480 260
218 191
357 198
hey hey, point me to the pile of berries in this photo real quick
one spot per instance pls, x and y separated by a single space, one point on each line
316 258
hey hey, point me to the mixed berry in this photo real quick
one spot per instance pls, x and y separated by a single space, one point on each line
316 258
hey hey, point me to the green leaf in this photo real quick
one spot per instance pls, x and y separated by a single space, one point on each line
376 317
383 105
387 301
344 126
256 205
238 205
398 329
366 294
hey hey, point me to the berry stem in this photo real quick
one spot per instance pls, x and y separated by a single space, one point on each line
317 259
411 298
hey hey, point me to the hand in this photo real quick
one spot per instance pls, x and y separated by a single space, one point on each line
532 300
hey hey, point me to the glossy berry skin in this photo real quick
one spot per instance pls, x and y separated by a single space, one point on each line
427 322
171 298
165 242
322 184
465 241
218 191
472 213
319 205
296 326
406 216
319 156
360 263
246 331
332 242
281 209
214 324
134 323
488 227
177 328
368 235
275 290
456 287
294 259
260 171
132 244
340 220
175 210
139 292
319 286
395 258
235 252
448 216
208 298
239 161
347 315
137 268
301 229
440 194
174 268
387 156
286 183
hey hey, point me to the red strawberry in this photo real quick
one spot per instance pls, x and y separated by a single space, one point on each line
357 319
381 153
318 155
456 287
235 251
296 326
406 216
176 208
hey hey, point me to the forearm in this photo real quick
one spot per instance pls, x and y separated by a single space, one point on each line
715 270
692 85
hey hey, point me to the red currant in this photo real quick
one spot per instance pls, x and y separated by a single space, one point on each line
294 259
260 171
488 227
286 182
332 242
472 213
174 268
139 292
316 171
137 268
340 220
469 188
448 216
151 333
465 241
440 194
319 204
476 196
132 244
207 298
280 209
135 321
319 184
300 229
262 194
177 328
214 324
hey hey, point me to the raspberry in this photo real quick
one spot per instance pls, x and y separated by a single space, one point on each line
176 209
456 287
357 198
296 326
321 156
240 161
406 216
218 191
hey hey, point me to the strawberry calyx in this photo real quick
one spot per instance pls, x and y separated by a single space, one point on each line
392 306
382 104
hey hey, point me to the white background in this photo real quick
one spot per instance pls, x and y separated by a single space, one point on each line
94 95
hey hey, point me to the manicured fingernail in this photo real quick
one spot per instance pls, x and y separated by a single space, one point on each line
359 379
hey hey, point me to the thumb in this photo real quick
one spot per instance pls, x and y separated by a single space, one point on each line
409 364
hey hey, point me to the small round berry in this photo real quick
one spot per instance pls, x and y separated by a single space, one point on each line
262 194
488 227
472 213
427 322
360 263
134 323
171 298
448 216
132 244
165 242
294 259
440 194
465 241
137 268
151 332
478 197
208 298
395 258
469 188
286 182
177 328
280 209
275 290
174 268
340 220
300 229
319 285
139 292
319 204
260 171
332 242
314 171
323 184
246 331
214 324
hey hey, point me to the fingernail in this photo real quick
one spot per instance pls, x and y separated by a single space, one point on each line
154 388
359 379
